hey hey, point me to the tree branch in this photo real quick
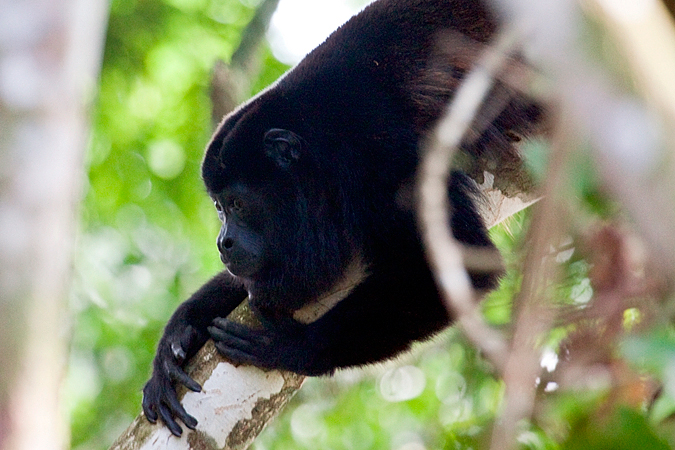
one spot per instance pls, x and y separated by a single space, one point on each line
230 84
444 251
50 53
233 407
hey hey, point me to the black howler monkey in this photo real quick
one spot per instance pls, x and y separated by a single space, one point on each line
306 179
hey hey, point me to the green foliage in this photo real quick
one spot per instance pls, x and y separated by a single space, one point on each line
443 397
625 430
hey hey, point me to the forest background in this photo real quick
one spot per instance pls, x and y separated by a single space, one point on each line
146 240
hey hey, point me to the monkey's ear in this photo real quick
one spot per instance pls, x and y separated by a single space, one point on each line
283 146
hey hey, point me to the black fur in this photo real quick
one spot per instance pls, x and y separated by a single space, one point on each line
307 178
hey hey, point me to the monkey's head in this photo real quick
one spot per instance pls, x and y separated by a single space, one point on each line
283 227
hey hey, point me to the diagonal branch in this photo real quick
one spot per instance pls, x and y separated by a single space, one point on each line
230 83
444 251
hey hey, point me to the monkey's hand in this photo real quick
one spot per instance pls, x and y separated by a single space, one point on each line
159 394
287 348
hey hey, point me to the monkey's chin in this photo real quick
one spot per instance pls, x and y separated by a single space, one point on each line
231 267
239 271
232 272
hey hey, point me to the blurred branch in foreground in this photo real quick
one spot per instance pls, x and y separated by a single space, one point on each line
230 83
633 145
50 53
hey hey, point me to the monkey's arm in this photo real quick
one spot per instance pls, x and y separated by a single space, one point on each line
185 333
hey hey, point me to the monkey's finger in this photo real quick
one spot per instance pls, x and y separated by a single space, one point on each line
178 411
178 352
178 375
228 340
220 322
222 329
148 410
169 421
238 356
188 337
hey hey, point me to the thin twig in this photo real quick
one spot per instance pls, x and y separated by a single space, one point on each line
536 316
444 252
230 83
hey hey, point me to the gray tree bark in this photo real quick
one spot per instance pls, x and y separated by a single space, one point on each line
49 58
233 407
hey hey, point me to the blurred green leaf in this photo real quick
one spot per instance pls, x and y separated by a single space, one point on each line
625 430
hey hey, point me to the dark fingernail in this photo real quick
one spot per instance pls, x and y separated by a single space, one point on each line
190 422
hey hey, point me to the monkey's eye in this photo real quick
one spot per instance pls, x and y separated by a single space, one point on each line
238 205
234 207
